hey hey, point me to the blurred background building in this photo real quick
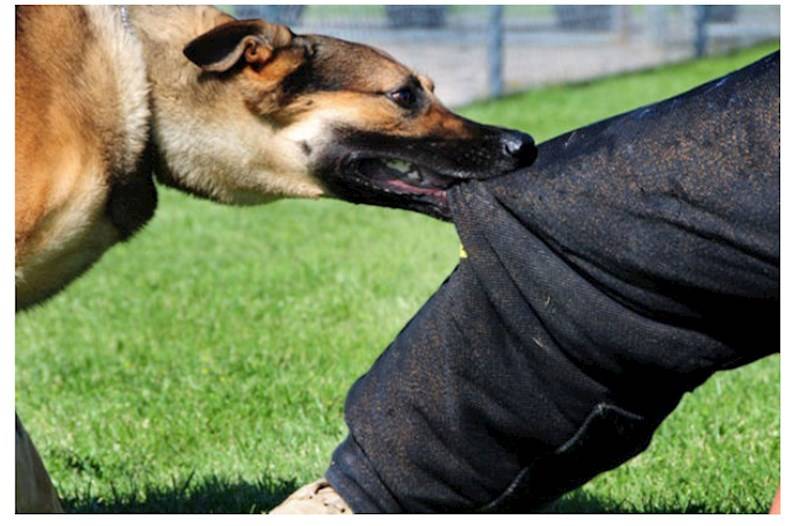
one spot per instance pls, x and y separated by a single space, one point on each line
476 52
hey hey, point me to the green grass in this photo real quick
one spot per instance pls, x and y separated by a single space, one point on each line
203 365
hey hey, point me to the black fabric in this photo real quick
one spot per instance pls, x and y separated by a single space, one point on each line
636 258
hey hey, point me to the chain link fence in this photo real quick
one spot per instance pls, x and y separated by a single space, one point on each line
474 52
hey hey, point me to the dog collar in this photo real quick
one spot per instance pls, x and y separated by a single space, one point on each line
126 21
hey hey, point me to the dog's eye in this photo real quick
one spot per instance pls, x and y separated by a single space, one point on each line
403 97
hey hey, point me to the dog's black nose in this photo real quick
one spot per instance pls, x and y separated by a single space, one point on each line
519 146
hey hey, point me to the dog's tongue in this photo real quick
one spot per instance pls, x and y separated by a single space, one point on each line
406 176
411 189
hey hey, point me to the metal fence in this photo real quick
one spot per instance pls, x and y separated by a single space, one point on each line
474 51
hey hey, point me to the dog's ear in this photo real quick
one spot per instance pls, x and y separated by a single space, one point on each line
221 48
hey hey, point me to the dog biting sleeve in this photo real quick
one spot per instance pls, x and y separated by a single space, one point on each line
638 257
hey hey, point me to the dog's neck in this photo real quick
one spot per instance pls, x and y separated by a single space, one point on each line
163 31
207 142
123 56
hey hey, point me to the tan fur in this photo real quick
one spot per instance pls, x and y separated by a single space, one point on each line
360 110
63 167
189 118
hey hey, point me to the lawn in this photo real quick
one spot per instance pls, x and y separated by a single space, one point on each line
203 365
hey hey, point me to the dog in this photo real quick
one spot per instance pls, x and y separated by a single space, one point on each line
240 112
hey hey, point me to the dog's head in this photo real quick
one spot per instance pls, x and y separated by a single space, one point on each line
365 127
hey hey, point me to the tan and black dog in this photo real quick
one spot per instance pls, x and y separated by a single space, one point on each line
240 112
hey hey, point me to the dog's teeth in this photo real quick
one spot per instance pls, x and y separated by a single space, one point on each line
414 176
400 166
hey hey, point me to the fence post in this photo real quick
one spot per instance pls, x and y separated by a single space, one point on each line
622 22
701 30
495 50
657 24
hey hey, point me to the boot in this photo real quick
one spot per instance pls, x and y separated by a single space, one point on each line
317 498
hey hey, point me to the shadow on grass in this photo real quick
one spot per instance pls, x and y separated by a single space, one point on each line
579 501
208 495
215 495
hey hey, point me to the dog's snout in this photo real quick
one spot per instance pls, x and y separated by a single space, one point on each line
519 146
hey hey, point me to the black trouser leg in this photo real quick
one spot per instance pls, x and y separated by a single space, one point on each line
640 256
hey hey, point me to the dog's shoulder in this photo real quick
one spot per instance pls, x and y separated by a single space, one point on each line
81 126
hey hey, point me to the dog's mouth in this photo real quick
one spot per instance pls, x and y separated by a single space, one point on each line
417 174
404 177
405 184
393 182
